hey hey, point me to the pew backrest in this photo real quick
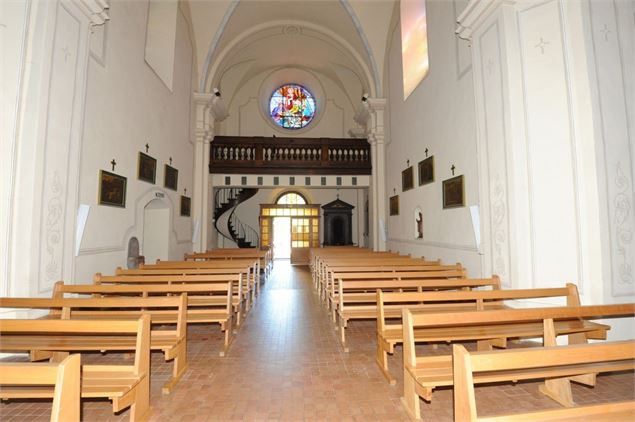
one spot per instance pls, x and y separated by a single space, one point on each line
65 376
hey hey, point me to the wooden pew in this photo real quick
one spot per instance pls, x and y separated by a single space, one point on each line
424 373
252 275
357 299
161 310
368 295
125 385
264 255
239 302
323 264
390 305
541 363
206 303
381 271
65 376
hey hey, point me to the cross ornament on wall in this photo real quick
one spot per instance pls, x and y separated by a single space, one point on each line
113 163
426 152
147 147
170 160
185 191
452 168
407 163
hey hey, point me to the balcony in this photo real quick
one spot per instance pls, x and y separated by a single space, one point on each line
264 155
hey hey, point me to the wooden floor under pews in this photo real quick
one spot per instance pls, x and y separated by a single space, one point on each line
287 363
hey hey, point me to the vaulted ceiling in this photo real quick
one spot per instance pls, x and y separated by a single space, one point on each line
254 36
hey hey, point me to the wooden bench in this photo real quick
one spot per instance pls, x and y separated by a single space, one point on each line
325 274
324 265
252 276
368 294
161 310
264 255
246 281
65 376
386 272
125 385
206 303
240 303
542 363
390 305
357 299
424 373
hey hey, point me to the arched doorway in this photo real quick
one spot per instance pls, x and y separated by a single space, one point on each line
156 231
291 221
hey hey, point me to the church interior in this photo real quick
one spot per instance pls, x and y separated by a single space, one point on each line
319 210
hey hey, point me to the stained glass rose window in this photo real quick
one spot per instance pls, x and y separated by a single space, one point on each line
292 106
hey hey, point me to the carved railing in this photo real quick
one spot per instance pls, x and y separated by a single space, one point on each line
263 155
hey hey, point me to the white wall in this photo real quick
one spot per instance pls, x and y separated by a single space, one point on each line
87 96
13 22
439 116
249 211
248 107
128 106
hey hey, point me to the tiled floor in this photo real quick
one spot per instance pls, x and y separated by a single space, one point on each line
287 364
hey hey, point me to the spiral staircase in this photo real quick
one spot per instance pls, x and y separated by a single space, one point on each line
226 221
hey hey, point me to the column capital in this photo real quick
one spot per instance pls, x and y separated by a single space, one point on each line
475 14
202 98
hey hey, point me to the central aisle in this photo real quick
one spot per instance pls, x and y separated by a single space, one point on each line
286 363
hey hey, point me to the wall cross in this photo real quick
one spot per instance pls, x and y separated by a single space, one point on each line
113 163
147 147
452 168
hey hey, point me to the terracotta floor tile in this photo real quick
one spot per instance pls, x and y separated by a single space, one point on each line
286 364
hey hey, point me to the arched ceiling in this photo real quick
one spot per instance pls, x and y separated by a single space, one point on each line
321 35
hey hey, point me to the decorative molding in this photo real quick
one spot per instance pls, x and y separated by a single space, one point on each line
443 245
476 12
622 220
499 234
53 229
100 250
95 10
460 70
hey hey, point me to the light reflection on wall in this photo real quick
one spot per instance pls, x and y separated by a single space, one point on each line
414 44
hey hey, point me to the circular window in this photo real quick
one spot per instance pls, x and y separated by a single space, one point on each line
292 106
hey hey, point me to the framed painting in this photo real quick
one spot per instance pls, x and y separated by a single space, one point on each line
147 168
112 189
394 205
453 192
426 171
171 177
407 179
186 203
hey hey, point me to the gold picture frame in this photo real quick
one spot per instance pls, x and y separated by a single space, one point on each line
147 168
426 171
407 179
112 189
186 206
394 205
171 177
454 192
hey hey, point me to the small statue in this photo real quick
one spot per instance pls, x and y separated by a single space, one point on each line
419 221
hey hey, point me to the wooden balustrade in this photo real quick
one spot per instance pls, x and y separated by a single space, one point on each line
268 155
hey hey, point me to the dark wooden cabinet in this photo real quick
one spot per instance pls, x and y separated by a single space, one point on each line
338 223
